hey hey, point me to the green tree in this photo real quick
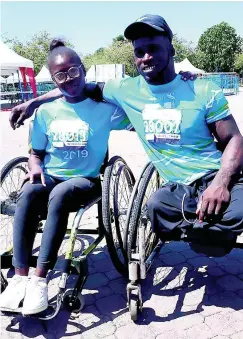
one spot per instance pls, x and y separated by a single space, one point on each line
217 48
183 48
119 52
239 64
36 49
97 58
120 37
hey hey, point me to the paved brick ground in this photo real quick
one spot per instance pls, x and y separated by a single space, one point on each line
186 294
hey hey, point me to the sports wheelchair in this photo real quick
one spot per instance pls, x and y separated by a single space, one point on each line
142 245
117 182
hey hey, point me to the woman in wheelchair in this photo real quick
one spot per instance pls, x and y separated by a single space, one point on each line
69 141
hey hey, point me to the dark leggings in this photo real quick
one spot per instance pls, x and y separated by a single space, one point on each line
56 200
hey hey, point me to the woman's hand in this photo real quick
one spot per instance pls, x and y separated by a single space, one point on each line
36 173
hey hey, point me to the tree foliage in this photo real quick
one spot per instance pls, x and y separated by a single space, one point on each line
239 64
217 48
120 37
119 52
36 49
183 48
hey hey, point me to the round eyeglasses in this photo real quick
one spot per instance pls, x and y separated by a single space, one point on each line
73 72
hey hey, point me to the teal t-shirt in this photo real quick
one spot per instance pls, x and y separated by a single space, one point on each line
172 121
75 136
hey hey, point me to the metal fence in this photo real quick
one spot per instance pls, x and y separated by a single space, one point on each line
228 82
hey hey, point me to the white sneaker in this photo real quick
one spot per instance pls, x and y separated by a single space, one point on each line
36 296
14 293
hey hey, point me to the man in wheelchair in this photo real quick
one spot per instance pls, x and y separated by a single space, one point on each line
69 141
203 184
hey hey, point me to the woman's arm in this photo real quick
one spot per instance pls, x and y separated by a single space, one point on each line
35 165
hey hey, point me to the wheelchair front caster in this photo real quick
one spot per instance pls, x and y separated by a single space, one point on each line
135 302
135 306
72 303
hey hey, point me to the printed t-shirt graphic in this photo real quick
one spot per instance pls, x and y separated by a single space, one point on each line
161 125
65 133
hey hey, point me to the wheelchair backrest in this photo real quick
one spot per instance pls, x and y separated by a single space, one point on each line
29 137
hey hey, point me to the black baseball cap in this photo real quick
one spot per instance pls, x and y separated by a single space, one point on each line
147 25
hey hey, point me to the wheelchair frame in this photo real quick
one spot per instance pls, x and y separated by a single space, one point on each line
72 298
139 262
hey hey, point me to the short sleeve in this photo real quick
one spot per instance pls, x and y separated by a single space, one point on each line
111 91
38 140
217 106
119 120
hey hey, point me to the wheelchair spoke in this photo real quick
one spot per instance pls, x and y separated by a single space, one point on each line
148 184
12 176
12 184
20 177
4 220
124 185
13 181
6 232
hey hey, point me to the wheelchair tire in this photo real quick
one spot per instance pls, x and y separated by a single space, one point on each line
19 162
11 176
143 194
117 176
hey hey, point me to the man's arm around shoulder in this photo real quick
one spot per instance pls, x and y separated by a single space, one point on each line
25 110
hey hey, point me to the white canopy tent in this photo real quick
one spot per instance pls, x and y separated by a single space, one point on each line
44 75
102 73
185 65
2 80
11 61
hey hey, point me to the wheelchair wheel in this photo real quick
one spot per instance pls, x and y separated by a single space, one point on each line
149 183
134 305
117 188
12 176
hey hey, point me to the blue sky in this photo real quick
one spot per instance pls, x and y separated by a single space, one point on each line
91 25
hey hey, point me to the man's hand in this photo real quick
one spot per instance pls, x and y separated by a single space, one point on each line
20 113
187 75
35 173
211 202
25 110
